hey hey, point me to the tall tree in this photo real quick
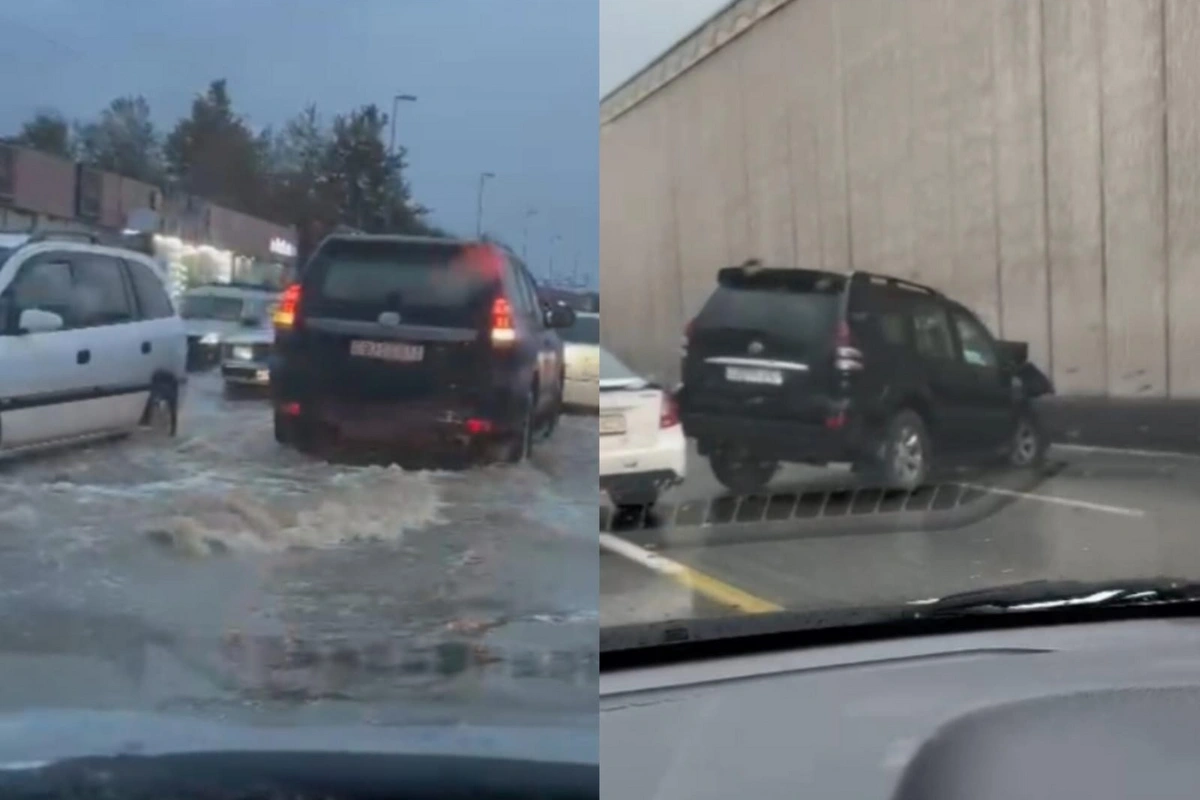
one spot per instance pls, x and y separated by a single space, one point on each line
214 154
366 183
47 132
123 140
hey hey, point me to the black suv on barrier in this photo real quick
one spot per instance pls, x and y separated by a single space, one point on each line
793 365
436 344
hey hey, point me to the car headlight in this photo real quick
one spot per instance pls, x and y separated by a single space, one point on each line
210 338
243 352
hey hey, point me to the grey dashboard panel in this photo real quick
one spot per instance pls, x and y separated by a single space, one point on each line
1098 711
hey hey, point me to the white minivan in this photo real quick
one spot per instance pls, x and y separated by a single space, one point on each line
91 344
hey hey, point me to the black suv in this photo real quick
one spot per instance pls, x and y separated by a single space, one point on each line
433 343
792 365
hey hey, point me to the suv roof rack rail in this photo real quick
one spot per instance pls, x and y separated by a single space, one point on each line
899 283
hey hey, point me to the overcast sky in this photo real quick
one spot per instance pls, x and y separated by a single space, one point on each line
503 85
635 32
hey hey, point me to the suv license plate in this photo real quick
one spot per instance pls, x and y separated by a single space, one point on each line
771 377
388 351
612 424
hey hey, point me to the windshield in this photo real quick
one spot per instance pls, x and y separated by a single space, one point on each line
232 487
896 380
205 306
586 330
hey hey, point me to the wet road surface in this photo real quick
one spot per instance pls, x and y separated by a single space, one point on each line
220 571
1092 515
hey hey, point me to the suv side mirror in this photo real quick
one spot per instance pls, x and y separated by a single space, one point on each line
559 317
35 320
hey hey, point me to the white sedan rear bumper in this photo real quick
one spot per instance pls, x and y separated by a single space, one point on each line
581 392
646 470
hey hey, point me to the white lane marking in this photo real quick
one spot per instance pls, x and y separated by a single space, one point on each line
1060 501
1126 451
653 561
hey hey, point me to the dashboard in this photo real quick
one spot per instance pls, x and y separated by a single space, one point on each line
1098 711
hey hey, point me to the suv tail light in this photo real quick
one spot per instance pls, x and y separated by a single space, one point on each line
289 307
503 331
847 357
668 415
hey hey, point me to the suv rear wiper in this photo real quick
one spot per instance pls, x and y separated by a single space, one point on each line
1046 595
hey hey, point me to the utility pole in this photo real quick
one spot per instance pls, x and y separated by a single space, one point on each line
484 177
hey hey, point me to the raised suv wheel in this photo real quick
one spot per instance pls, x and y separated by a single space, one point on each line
741 471
906 457
1029 443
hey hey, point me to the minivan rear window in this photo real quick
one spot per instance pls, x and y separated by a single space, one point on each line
427 283
795 306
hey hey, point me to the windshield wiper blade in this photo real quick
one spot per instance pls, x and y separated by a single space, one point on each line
1046 595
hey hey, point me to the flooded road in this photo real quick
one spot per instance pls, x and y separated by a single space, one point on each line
218 570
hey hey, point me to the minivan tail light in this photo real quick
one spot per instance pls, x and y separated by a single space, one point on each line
288 308
503 331
668 415
847 357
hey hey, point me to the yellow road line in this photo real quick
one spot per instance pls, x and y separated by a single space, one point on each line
716 590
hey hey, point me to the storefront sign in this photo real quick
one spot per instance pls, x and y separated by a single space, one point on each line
282 247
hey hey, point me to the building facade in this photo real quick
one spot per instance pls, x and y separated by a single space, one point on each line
1037 159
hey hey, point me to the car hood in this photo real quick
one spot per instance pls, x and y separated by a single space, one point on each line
200 327
36 738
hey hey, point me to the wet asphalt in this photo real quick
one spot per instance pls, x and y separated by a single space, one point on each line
823 541
218 573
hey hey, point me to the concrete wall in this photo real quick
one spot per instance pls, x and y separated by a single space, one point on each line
1038 160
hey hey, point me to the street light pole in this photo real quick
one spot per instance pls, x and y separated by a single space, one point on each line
396 100
483 179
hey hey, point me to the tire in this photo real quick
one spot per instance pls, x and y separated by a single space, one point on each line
906 452
640 502
1028 445
285 429
556 410
161 415
739 471
519 447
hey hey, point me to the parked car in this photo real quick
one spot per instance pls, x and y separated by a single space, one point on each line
794 365
582 355
216 311
643 451
422 342
90 342
246 358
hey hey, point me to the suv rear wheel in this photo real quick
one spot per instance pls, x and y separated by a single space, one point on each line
1029 444
741 471
520 444
906 454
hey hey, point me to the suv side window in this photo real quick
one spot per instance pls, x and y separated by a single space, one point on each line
151 294
44 284
535 302
101 293
931 333
976 343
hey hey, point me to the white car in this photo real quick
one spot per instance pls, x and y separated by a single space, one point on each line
642 448
245 358
216 311
90 343
581 357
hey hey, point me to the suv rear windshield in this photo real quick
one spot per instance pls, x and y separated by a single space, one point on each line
791 305
207 306
426 283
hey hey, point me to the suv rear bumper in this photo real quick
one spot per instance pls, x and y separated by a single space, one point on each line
781 440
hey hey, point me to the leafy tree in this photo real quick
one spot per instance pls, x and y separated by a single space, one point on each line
47 132
214 154
123 140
